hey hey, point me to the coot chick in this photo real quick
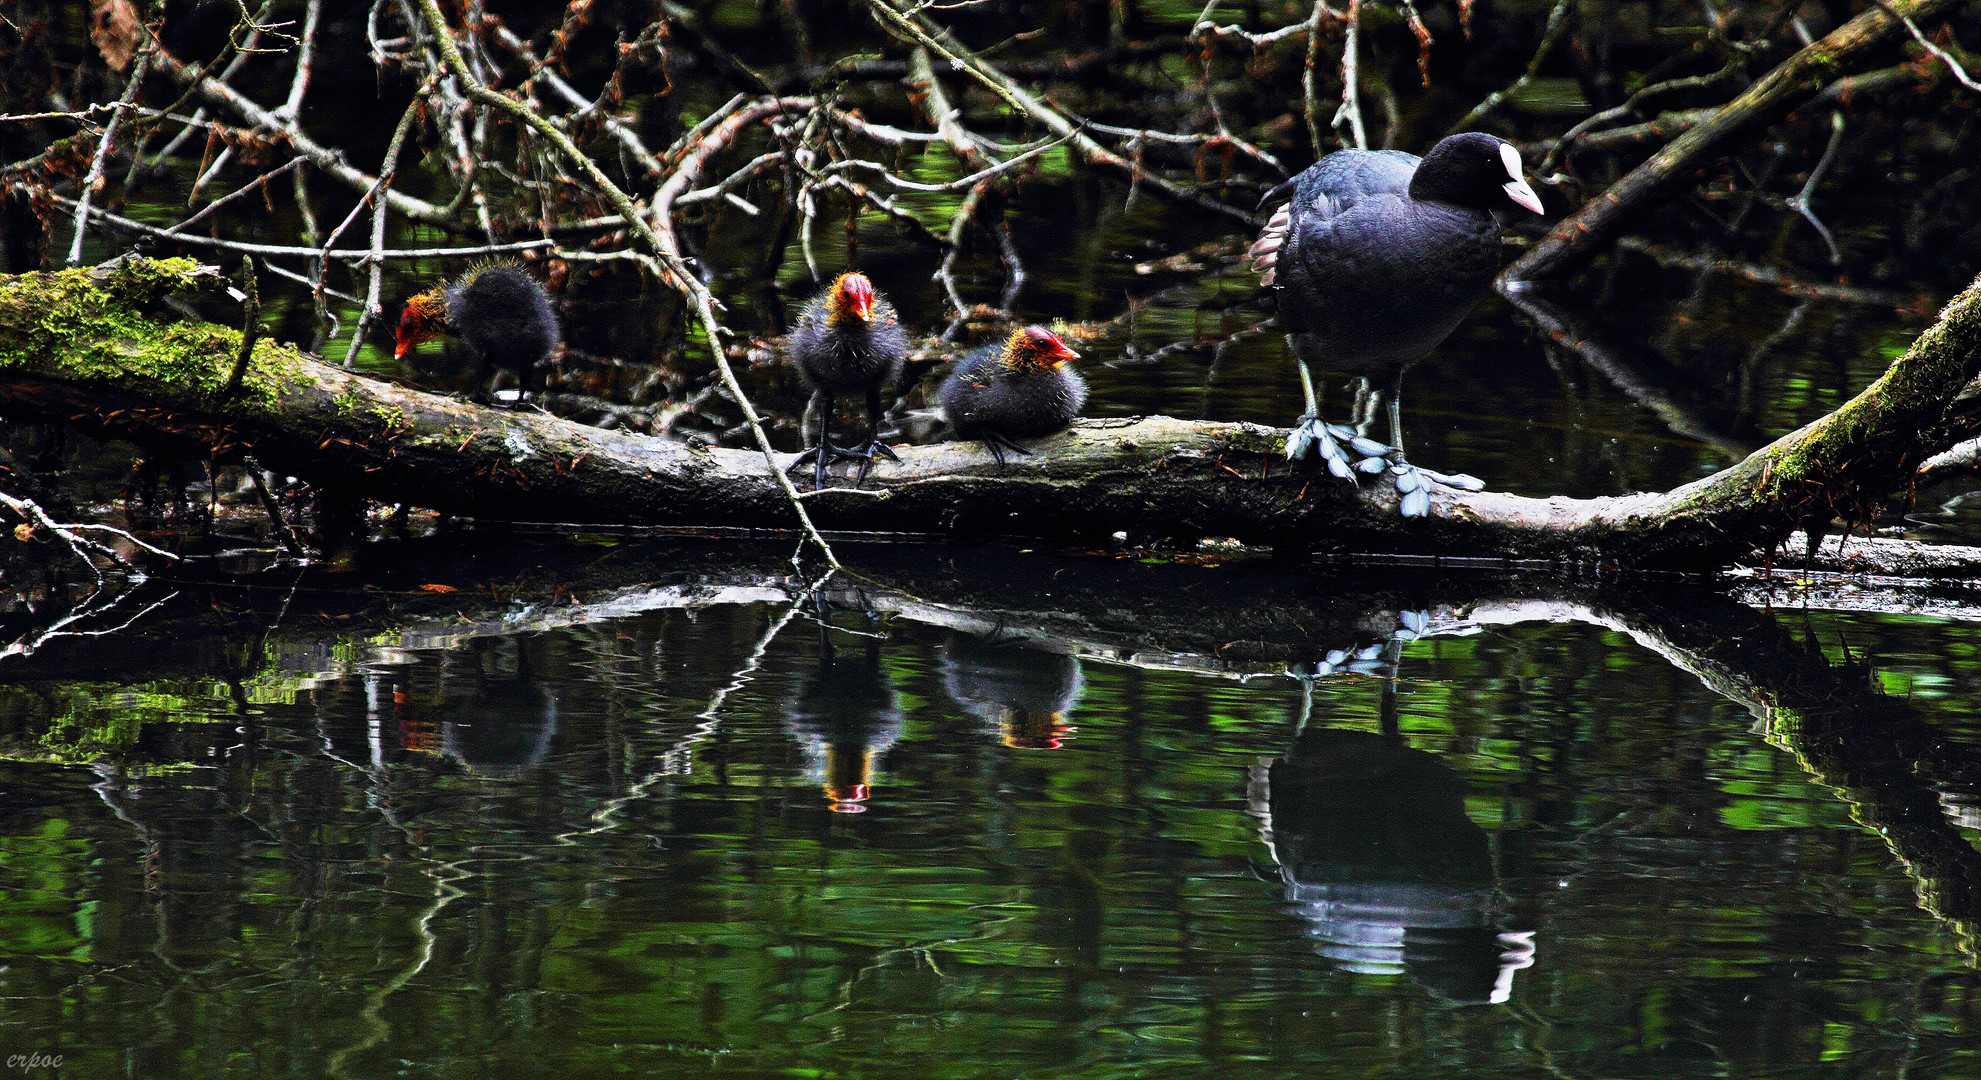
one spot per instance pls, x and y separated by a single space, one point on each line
501 316
1376 258
1016 390
848 341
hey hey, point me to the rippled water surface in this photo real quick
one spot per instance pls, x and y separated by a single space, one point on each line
706 825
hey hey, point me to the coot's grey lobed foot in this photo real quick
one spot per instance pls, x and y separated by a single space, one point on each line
1461 481
1410 484
1313 438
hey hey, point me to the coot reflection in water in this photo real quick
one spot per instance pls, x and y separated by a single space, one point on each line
481 704
1022 695
497 724
845 716
1380 859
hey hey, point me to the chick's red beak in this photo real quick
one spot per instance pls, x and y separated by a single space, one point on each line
1052 346
414 327
858 294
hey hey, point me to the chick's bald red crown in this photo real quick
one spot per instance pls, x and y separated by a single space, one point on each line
1036 347
852 295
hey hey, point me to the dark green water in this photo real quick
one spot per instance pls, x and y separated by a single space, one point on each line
357 828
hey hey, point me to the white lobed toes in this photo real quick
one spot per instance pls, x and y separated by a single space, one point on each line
1367 447
1461 481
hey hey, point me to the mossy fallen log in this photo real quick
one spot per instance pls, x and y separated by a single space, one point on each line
101 350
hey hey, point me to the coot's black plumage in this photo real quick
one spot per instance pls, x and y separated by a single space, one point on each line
848 341
1377 256
1019 389
501 316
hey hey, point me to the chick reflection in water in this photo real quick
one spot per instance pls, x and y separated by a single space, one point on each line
496 722
1381 861
1022 695
845 717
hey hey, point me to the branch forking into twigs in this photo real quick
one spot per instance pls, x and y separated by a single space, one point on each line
673 269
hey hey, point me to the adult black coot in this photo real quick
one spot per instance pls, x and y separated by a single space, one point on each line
1376 257
848 341
501 316
1020 389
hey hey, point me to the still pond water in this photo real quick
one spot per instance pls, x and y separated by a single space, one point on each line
679 820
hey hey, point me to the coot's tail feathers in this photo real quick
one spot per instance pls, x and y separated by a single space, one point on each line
1281 193
1265 250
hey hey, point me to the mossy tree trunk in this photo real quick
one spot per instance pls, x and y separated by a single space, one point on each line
90 348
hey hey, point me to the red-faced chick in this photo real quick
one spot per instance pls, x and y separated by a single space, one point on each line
1019 389
848 341
501 316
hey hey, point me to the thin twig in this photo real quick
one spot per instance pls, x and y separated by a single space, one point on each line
1953 64
82 546
1310 97
1557 26
346 254
329 160
1351 66
374 289
1801 200
241 192
940 43
103 145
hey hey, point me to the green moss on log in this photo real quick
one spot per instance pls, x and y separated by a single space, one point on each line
91 325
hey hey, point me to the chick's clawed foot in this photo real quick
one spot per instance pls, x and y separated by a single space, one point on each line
823 456
875 450
998 443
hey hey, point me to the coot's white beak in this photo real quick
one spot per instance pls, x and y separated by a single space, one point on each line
1518 190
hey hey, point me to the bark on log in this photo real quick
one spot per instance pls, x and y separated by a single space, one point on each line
1577 238
82 347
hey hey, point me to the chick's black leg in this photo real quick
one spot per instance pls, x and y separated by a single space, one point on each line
823 452
998 443
480 392
875 447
